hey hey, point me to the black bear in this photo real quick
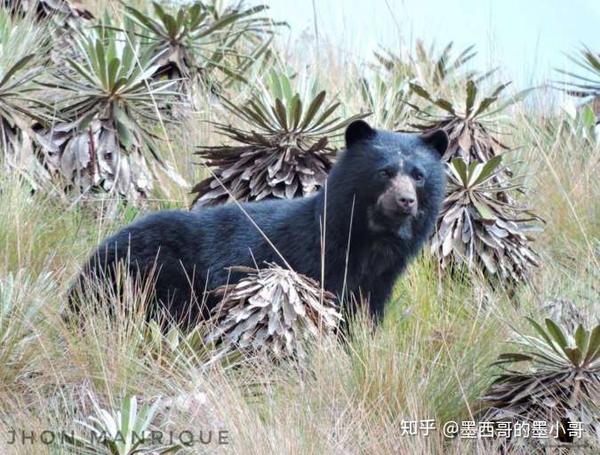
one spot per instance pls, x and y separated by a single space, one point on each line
356 235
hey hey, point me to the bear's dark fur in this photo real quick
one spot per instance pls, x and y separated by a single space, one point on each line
378 207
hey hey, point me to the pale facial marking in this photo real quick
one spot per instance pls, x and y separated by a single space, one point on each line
401 188
401 162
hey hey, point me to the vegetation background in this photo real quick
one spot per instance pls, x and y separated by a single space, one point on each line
66 83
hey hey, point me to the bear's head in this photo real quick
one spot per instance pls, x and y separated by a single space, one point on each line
398 177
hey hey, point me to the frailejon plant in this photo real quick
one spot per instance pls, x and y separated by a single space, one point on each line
252 46
558 382
431 68
386 97
22 46
283 150
469 127
481 224
108 109
272 311
194 41
61 18
390 92
125 431
479 229
586 84
61 12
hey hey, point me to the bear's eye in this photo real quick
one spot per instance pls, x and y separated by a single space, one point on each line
419 177
386 173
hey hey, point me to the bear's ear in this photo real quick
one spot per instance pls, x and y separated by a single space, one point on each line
437 139
358 130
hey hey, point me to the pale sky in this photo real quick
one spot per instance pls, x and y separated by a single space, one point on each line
526 38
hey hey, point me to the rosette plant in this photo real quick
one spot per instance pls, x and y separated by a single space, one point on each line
554 377
197 40
273 311
22 49
109 108
585 84
481 223
480 230
281 150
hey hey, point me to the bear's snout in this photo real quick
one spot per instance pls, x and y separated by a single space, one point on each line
407 202
400 197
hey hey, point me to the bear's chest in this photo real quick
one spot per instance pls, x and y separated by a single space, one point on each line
378 258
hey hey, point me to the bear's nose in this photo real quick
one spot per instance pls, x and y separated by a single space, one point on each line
406 201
